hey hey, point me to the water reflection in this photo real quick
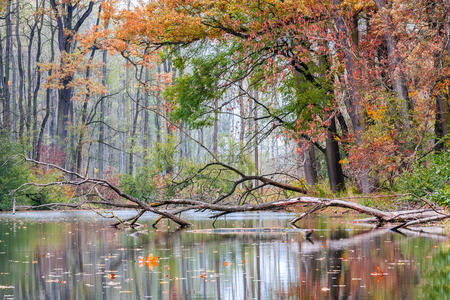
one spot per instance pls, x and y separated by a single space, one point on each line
76 257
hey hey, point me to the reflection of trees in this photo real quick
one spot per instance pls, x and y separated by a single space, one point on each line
357 257
434 284
261 265
60 251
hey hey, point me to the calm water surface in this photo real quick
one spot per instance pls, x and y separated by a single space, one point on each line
73 255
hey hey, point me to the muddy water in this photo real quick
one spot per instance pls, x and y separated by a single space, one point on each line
57 255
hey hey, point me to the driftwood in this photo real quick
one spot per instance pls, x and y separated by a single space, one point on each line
405 218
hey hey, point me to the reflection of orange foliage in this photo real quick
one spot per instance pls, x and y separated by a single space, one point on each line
150 261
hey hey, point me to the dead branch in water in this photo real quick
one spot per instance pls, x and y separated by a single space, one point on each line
407 217
105 183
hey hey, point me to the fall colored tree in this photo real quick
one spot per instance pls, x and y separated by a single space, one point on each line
369 40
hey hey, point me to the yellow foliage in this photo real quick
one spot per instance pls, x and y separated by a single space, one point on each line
376 113
357 5
344 161
2 5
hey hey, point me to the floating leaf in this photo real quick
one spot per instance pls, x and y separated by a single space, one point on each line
150 261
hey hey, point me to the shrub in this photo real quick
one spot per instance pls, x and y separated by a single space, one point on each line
13 173
429 179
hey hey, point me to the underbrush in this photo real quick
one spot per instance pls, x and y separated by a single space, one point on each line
429 180
165 177
15 172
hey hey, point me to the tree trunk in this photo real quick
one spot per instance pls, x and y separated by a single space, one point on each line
255 122
442 113
30 81
83 125
335 174
124 114
64 98
64 14
37 86
158 106
398 78
146 135
5 70
167 69
44 122
215 127
442 121
83 129
309 164
353 101
13 93
21 73
242 119
202 141
101 130
133 130
47 97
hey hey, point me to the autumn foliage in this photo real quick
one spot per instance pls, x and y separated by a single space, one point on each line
359 87
379 64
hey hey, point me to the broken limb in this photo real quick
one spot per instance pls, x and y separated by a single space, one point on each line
130 221
244 178
301 216
105 183
435 218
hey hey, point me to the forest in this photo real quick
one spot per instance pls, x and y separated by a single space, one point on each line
227 149
166 106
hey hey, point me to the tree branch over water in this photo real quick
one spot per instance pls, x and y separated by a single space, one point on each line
407 217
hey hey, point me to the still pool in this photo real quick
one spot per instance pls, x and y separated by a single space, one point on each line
74 255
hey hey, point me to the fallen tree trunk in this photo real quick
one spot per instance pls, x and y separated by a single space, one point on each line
406 217
380 216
